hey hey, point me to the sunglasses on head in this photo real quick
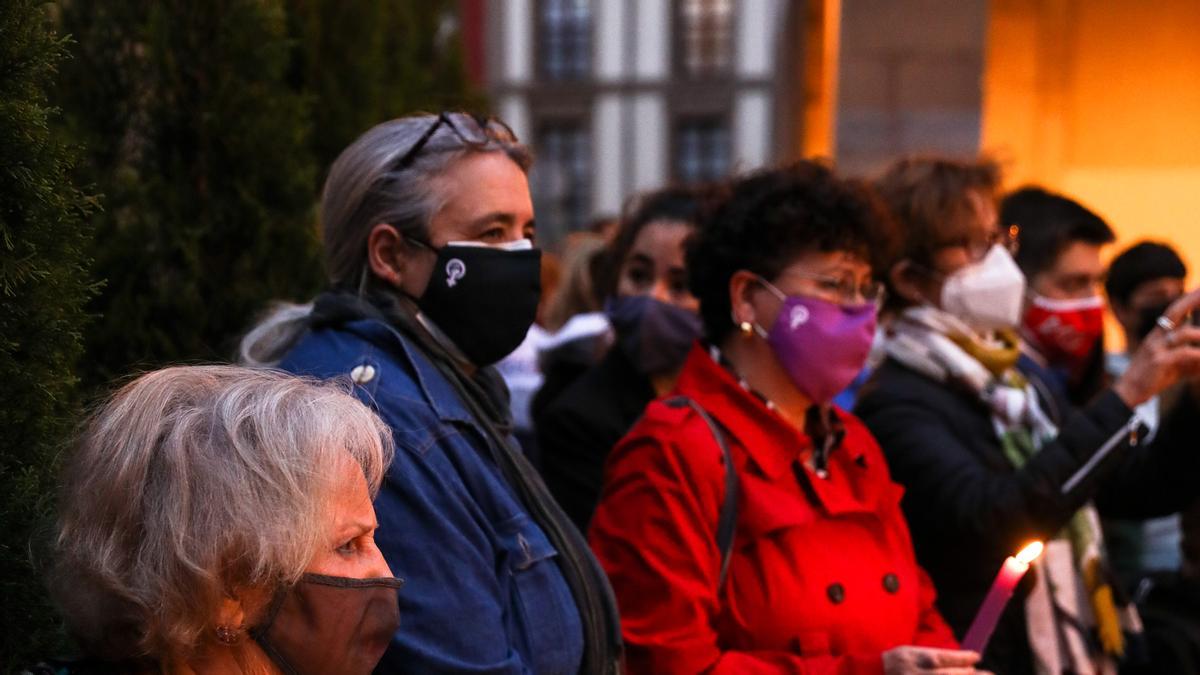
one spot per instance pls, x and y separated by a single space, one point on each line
474 131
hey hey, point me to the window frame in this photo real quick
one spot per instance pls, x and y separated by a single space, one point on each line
540 40
679 46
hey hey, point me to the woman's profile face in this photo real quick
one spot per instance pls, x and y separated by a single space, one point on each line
485 198
979 233
348 544
655 266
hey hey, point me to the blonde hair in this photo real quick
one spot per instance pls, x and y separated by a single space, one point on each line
191 483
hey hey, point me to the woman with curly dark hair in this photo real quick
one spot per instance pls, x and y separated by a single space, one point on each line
747 524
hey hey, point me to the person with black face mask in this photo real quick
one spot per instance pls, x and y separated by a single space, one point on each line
655 321
1141 283
434 277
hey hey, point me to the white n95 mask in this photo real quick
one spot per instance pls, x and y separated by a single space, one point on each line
987 295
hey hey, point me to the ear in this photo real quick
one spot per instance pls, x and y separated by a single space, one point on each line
231 614
908 282
385 254
741 297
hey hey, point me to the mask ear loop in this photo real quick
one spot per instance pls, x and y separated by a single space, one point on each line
749 327
259 632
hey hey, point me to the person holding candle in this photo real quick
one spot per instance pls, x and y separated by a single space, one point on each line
991 457
748 525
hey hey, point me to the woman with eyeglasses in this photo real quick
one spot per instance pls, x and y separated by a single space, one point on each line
748 525
433 277
989 456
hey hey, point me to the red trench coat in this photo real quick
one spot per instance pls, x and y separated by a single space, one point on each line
823 578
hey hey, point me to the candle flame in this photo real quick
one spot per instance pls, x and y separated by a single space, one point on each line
1030 553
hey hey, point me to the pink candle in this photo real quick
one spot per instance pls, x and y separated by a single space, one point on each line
997 598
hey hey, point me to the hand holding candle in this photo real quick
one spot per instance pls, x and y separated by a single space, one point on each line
997 598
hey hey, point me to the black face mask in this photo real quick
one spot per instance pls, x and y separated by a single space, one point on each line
327 625
1148 316
654 335
484 298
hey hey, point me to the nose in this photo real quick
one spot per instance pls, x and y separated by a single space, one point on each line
660 291
374 564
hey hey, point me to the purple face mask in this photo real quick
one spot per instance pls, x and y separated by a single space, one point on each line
822 345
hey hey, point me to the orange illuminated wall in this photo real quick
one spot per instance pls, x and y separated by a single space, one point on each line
1101 99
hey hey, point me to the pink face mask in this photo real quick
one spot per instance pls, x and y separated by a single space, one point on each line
821 345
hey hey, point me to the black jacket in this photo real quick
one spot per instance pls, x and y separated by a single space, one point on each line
576 432
968 508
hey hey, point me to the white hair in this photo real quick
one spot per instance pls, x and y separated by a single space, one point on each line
191 483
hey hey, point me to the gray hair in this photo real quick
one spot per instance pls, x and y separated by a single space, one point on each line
192 483
366 187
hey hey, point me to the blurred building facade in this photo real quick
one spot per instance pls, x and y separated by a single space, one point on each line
1097 98
619 96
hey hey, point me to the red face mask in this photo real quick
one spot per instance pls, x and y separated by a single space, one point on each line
1065 331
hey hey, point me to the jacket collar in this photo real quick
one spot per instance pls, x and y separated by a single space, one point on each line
773 445
770 442
437 392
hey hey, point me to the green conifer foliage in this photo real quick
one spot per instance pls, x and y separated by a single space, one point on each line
44 284
366 62
200 148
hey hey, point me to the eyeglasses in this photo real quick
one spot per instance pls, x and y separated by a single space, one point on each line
482 131
842 290
1008 238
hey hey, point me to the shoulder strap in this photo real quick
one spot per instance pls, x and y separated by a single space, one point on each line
727 521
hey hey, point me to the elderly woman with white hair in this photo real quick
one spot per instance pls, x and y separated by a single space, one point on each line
217 519
434 277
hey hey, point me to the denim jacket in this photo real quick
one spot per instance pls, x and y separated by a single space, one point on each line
483 591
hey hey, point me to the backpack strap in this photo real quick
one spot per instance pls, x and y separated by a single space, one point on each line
727 520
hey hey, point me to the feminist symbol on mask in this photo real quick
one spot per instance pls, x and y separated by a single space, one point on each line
799 317
455 270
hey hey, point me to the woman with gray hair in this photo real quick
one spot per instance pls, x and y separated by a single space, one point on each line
216 519
433 277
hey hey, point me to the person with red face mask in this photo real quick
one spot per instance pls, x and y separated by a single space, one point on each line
990 455
1058 250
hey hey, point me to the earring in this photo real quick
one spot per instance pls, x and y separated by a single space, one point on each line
746 328
228 635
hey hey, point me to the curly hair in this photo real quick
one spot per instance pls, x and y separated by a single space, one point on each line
763 221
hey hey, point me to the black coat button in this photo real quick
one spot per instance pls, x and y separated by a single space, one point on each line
836 593
891 583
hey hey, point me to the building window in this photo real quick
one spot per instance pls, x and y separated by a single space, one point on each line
565 39
701 149
705 37
561 178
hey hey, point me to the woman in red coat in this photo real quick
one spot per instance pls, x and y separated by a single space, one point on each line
819 574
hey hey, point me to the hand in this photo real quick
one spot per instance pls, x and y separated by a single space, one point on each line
910 660
1164 357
